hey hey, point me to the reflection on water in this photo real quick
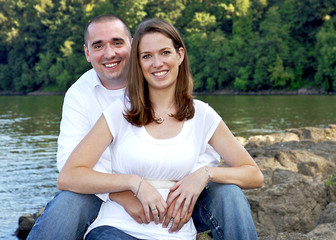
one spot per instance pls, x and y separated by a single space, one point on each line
29 127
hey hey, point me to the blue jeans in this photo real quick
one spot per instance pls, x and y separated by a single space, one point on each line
66 216
221 208
225 211
108 233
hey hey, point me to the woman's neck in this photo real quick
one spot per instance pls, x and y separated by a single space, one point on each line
162 99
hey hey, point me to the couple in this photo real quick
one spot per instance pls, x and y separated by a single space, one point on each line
156 142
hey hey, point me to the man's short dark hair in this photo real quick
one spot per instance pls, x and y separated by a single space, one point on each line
105 18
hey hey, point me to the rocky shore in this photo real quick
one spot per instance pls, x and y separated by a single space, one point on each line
295 203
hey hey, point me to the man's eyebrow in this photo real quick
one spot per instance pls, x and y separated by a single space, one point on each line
96 42
113 40
118 39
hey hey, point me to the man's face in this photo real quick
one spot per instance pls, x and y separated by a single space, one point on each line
108 49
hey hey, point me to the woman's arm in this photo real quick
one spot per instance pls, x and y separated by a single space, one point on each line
242 171
79 176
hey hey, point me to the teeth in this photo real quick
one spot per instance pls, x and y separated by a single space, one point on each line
160 73
111 65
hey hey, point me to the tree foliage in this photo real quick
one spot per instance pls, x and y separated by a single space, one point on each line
241 44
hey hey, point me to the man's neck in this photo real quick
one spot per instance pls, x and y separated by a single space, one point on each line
114 84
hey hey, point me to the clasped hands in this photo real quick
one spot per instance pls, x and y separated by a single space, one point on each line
149 205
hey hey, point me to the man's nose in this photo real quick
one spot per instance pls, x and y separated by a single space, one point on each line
109 51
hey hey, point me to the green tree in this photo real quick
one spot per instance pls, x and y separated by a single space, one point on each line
272 53
326 55
167 10
132 12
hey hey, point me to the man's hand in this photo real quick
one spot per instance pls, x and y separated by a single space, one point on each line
178 222
131 204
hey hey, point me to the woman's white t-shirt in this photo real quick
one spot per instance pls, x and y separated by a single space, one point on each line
135 151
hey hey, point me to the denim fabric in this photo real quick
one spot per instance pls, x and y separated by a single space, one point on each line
221 208
108 233
224 209
66 216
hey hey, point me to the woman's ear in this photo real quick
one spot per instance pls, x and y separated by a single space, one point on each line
180 55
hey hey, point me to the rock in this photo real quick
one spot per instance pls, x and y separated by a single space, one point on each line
323 232
329 214
26 222
294 203
289 202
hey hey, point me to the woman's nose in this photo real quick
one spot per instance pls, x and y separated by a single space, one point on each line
157 62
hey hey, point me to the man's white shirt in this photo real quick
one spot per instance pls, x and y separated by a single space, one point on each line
83 104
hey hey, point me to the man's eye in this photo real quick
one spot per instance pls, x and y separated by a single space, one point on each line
97 46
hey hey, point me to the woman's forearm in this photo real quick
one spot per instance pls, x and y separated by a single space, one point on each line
88 181
247 176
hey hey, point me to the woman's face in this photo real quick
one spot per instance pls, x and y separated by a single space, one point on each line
159 60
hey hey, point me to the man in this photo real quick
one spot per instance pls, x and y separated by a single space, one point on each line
221 208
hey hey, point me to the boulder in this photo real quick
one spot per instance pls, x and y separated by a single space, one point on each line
294 202
26 222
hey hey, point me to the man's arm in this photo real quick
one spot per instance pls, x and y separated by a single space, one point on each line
75 124
131 204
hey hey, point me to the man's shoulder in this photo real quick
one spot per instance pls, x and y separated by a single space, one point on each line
84 84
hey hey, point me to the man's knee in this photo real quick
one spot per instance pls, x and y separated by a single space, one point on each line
67 198
70 203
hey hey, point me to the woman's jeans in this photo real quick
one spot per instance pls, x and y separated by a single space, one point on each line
108 233
221 208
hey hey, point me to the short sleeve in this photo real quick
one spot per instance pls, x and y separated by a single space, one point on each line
209 118
207 121
213 119
114 116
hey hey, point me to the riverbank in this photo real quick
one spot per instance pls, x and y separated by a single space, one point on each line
301 91
294 203
228 92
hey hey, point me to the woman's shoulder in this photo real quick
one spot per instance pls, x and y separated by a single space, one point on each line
198 104
203 109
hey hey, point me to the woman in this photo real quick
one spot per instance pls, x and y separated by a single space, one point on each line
155 143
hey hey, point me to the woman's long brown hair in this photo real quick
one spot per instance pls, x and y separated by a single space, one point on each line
140 111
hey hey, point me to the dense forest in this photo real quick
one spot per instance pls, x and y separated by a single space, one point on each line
246 45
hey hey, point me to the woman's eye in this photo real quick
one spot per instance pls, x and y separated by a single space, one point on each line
165 52
146 56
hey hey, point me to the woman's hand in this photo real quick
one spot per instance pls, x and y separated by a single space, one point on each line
131 204
177 222
152 202
188 190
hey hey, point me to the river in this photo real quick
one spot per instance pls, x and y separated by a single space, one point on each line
29 126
